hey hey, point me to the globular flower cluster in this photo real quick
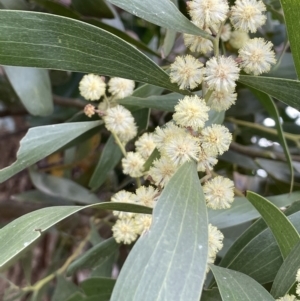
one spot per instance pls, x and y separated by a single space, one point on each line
190 135
130 225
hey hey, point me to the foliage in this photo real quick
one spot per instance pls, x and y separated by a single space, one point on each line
119 229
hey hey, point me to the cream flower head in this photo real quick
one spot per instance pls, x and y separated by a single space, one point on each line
197 43
181 148
123 197
247 15
125 231
162 171
225 33
215 139
219 193
257 56
208 13
191 111
145 145
238 39
187 72
120 87
146 196
92 87
221 73
222 100
142 222
133 165
120 121
205 161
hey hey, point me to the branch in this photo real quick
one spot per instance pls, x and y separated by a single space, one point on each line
252 152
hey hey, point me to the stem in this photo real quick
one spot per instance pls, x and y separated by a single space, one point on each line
119 143
208 94
138 182
39 285
292 137
216 41
286 45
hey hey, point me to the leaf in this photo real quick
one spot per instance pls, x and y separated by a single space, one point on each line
63 289
33 87
174 249
276 220
159 102
14 4
62 10
18 236
211 295
110 157
286 276
285 90
42 141
215 117
60 43
57 8
94 256
291 13
242 211
93 8
256 252
270 106
102 287
62 187
163 13
278 170
237 286
169 41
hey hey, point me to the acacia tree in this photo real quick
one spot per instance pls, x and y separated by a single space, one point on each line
162 142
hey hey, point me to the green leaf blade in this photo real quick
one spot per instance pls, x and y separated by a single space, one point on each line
40 142
161 12
286 276
291 13
270 106
285 90
20 234
94 256
56 42
276 221
237 286
33 87
174 248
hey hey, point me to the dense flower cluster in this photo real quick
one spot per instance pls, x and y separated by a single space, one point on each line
190 135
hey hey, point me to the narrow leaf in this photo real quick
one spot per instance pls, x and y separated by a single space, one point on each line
64 11
277 221
270 106
163 13
256 252
286 276
64 289
18 236
42 141
56 42
174 249
110 157
291 11
101 287
159 102
33 87
237 286
62 188
242 211
285 90
94 256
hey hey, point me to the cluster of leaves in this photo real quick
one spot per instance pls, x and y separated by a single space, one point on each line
169 262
